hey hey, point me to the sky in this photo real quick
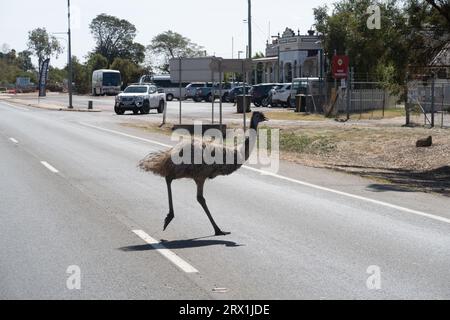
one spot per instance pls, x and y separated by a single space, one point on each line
209 23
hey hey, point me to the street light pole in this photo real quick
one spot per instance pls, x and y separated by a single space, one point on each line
249 29
70 57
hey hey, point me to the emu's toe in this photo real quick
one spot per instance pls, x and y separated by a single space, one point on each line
222 233
168 220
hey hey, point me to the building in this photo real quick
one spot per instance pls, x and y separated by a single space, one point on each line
290 56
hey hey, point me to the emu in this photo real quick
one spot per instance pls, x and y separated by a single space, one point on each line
161 164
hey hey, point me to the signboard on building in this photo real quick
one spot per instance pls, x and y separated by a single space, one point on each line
192 70
231 65
340 67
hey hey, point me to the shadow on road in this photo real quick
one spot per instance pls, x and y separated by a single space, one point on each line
437 181
184 244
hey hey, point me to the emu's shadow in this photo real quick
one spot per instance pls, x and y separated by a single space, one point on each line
183 244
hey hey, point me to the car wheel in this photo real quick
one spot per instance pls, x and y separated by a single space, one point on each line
265 103
197 99
119 111
136 111
209 98
161 107
257 104
146 108
226 98
170 97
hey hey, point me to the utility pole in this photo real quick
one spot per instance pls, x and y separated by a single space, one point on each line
249 36
70 58
249 29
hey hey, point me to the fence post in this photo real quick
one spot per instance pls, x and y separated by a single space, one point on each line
349 92
406 93
432 99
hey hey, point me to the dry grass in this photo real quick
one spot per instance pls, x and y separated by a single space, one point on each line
290 115
388 154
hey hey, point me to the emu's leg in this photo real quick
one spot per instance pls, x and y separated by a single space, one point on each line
202 202
171 214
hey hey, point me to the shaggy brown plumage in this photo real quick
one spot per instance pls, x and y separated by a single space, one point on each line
160 163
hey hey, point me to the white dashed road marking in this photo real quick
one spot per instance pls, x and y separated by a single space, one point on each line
169 255
49 167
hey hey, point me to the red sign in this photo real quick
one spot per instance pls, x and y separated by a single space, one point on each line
340 67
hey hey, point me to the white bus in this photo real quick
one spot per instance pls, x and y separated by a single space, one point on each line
106 82
172 90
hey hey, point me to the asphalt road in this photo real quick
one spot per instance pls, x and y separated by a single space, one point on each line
71 195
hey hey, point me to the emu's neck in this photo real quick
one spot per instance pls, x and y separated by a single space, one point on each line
250 140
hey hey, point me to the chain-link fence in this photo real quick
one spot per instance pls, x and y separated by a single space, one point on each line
429 101
349 98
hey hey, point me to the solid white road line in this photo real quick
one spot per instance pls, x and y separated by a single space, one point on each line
126 135
341 193
14 140
299 182
49 167
169 255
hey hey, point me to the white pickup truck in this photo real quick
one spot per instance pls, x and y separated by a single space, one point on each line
140 98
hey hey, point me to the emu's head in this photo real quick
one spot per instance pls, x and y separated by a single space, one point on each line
258 117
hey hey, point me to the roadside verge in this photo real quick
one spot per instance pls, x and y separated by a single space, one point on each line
45 106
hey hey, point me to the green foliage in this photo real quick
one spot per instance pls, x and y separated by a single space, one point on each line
412 32
14 65
169 45
115 39
43 45
96 62
129 70
81 76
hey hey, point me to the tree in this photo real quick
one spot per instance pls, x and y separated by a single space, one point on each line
129 70
81 76
170 45
381 53
115 39
442 6
11 68
96 62
24 61
43 45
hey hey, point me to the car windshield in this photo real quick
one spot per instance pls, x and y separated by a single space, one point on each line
136 90
111 79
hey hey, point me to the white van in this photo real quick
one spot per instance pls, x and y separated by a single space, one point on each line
106 82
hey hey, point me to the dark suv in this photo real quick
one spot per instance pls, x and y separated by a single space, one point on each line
191 89
236 92
206 93
260 94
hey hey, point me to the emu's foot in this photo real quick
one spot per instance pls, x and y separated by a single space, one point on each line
222 233
168 220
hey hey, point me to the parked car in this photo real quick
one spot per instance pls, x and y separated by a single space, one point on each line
280 95
306 86
261 94
140 98
236 92
206 93
191 89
